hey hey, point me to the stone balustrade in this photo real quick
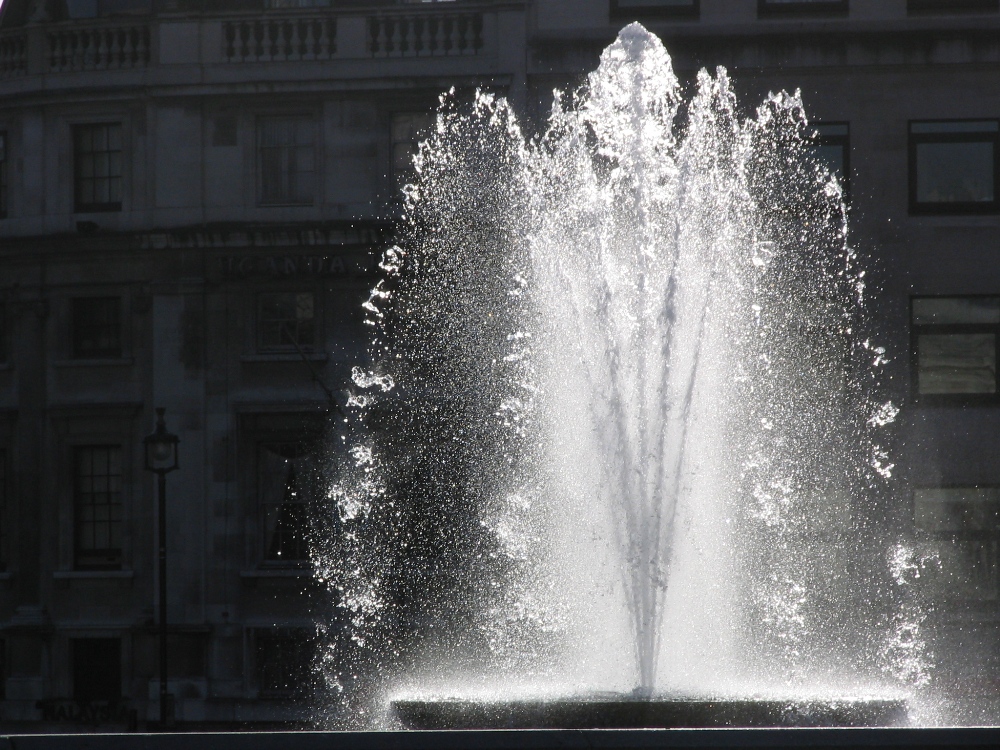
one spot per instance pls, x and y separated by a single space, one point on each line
280 39
425 35
13 60
293 35
98 47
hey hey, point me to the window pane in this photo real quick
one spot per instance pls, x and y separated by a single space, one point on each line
979 126
956 363
286 160
304 306
286 321
97 166
624 4
832 157
955 509
831 129
954 172
955 310
114 138
3 174
97 507
96 328
283 490
97 669
408 130
284 661
965 569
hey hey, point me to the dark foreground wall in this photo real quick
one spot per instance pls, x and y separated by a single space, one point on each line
518 739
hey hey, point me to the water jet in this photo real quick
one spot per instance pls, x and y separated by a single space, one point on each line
621 430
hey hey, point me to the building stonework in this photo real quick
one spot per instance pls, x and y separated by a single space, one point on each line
193 200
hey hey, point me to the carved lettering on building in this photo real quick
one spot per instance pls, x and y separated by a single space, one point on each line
93 712
278 266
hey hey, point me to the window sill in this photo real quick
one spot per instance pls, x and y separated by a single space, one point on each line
653 12
97 208
796 10
955 401
277 573
110 362
954 209
285 357
64 575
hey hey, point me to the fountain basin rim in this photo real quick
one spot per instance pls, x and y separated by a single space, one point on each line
719 739
632 713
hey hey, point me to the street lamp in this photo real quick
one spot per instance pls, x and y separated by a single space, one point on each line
161 459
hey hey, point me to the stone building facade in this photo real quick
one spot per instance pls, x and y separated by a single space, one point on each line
193 195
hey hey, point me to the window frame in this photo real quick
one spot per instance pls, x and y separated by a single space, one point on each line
114 561
290 349
262 200
935 538
111 641
401 176
302 639
4 501
951 399
80 206
306 445
844 140
111 353
276 423
690 12
5 333
951 208
767 9
944 7
4 173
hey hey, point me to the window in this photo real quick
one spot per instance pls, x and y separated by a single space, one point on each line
4 347
630 9
297 3
97 165
284 661
953 166
779 8
408 130
97 501
951 6
286 321
285 160
97 669
3 174
962 526
97 328
832 149
954 345
284 472
3 510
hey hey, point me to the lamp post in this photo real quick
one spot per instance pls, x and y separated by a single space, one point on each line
161 459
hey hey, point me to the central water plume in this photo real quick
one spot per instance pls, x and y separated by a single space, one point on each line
618 432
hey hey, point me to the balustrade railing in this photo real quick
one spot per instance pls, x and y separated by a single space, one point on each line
99 48
275 39
425 35
106 45
13 60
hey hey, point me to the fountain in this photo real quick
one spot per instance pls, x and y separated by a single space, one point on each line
617 458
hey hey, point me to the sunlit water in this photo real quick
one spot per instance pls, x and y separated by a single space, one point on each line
620 432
